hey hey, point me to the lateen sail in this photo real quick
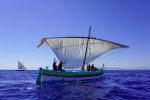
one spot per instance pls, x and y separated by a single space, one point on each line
72 49
21 66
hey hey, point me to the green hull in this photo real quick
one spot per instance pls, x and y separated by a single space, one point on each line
46 75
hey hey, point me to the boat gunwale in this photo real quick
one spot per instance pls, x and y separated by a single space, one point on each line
72 74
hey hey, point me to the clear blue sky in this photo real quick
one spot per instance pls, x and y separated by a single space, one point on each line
24 22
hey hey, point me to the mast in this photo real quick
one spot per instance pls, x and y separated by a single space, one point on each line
86 49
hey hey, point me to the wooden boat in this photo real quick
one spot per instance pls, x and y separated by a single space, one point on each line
77 51
21 67
46 76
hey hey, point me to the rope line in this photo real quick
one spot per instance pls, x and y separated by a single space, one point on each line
112 54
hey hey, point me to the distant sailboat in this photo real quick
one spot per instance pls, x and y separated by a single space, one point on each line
21 67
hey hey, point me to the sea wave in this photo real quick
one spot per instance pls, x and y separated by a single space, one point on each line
113 85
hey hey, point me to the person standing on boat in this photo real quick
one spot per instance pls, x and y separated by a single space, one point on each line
54 65
93 68
60 65
88 67
103 65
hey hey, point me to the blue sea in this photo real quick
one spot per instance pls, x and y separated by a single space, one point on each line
113 85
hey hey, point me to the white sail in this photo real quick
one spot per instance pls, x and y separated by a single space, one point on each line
21 66
72 49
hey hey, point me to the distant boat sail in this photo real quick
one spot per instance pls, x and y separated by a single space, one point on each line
21 67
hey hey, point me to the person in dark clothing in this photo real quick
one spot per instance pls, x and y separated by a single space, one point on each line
88 67
93 68
54 65
60 65
103 65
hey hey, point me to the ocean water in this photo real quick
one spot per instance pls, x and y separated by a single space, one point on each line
113 85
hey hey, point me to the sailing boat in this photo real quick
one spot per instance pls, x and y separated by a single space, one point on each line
78 52
21 67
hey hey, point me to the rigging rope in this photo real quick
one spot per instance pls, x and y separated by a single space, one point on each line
112 54
113 58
